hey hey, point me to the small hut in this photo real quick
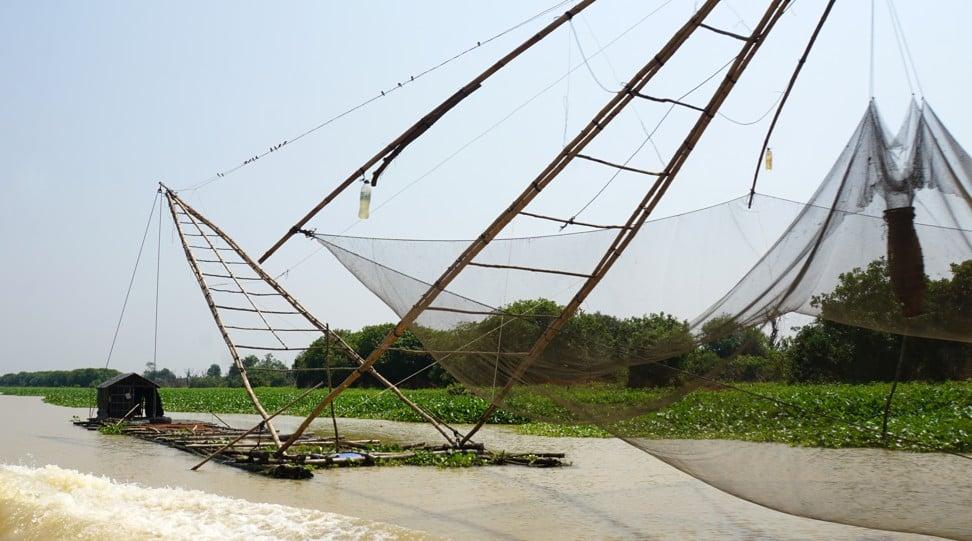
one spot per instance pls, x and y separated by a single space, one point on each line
131 396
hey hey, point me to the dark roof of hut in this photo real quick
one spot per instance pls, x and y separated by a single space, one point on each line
140 381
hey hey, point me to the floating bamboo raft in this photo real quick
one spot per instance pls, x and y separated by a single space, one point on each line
255 452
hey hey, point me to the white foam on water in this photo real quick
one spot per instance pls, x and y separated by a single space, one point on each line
56 503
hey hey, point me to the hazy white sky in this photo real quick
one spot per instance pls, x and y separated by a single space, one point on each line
101 100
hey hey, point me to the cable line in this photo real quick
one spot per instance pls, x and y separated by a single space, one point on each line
131 281
382 93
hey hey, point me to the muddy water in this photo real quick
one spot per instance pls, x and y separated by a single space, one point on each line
612 491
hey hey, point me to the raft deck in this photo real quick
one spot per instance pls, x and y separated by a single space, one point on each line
255 452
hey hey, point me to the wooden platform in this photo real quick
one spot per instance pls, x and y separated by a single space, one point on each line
255 452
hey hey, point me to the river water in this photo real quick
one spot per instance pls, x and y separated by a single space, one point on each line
60 481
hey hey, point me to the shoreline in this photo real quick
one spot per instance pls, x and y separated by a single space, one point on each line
925 418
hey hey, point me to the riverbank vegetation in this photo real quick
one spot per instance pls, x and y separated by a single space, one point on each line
926 416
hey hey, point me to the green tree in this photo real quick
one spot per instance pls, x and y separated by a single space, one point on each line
655 347
842 345
310 363
214 371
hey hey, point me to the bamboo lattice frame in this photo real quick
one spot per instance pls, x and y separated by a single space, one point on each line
604 117
178 207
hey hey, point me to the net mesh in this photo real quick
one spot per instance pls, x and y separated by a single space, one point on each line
884 246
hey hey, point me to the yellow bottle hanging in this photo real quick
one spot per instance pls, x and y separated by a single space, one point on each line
365 200
769 159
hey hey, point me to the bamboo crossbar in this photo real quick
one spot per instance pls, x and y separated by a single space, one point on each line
482 312
239 328
221 262
219 248
618 166
322 369
268 348
669 100
394 148
724 32
529 269
571 221
258 311
459 352
250 293
607 113
230 276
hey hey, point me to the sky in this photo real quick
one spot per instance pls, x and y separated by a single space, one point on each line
102 100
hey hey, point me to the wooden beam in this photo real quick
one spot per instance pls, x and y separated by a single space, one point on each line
172 201
393 149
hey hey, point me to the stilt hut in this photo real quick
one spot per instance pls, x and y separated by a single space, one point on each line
129 396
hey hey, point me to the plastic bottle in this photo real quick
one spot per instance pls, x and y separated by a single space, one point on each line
769 159
365 200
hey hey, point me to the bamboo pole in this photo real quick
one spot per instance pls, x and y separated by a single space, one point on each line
600 121
173 202
773 12
330 385
393 149
786 96
441 427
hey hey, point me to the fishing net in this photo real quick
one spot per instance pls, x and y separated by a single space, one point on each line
881 255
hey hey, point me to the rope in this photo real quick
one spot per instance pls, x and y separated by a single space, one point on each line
896 21
128 292
901 53
761 117
870 88
158 279
590 70
381 94
645 141
570 61
614 72
894 386
131 281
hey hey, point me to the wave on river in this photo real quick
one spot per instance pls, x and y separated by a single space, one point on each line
55 503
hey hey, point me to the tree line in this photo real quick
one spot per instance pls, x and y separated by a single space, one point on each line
651 350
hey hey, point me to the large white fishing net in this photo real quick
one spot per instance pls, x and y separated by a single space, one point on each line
885 244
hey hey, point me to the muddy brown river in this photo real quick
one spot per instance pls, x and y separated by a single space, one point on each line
59 481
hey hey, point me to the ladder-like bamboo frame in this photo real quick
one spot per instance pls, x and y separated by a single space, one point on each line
610 111
449 433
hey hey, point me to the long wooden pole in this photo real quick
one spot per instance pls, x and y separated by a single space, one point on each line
393 149
786 96
600 121
637 219
441 427
173 202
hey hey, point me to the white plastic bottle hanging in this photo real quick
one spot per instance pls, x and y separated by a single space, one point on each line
769 159
365 200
